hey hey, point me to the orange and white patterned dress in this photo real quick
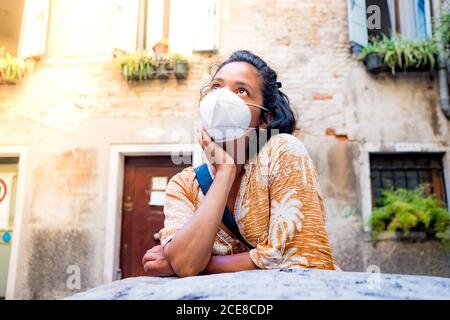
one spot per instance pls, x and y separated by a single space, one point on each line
279 209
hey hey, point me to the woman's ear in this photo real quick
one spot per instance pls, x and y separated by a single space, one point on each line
266 119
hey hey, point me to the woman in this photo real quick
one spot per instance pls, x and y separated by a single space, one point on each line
274 195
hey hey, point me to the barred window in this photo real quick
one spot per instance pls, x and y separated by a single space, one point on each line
408 171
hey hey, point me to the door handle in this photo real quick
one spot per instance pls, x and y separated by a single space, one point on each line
128 205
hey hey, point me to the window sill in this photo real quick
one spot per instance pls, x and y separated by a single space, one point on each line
413 236
374 65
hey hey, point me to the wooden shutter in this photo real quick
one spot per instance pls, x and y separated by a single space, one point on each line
33 35
125 25
182 20
155 22
357 22
206 26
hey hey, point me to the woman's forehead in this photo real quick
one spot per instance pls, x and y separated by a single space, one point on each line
238 71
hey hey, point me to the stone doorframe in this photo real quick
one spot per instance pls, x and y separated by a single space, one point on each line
115 190
21 153
363 165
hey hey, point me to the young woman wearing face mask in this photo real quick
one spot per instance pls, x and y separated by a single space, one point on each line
273 193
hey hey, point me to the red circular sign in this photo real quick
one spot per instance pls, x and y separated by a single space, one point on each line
3 190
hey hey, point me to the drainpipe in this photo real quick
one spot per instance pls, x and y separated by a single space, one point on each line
442 65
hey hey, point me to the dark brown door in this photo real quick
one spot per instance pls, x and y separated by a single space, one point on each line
142 210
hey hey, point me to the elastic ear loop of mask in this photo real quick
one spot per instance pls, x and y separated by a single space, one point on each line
256 105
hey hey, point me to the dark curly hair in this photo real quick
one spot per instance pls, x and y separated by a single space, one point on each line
284 119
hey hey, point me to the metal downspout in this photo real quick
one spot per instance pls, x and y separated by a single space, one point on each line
442 65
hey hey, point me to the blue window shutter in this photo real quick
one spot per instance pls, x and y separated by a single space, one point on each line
357 22
429 28
421 22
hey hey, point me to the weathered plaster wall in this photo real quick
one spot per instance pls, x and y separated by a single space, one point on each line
69 113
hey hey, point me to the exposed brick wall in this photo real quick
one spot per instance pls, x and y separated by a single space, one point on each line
69 113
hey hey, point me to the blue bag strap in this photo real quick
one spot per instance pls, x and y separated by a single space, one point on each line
203 177
205 181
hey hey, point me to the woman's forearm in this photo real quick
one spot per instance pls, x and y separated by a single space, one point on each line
230 263
190 249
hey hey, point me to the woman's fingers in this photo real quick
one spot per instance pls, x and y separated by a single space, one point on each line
204 139
200 137
147 253
158 268
151 265
208 145
149 256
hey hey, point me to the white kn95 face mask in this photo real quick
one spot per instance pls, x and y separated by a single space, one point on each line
225 116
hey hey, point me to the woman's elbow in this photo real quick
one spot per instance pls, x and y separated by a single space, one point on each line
184 268
184 264
185 272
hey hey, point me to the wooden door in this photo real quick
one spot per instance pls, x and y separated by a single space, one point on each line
142 209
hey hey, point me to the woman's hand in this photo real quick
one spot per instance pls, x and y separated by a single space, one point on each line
216 155
156 264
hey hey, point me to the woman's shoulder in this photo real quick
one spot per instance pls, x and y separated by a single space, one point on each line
185 179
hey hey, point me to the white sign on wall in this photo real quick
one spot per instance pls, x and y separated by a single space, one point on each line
408 147
6 190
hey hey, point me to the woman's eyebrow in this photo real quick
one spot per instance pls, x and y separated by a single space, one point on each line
245 84
239 83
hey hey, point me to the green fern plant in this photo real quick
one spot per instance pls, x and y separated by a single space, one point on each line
13 69
443 26
400 53
138 66
407 210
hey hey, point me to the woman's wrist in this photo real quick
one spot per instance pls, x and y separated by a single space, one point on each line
226 172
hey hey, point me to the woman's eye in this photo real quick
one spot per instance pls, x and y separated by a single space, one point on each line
214 87
242 91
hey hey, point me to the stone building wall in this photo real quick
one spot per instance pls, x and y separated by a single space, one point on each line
68 113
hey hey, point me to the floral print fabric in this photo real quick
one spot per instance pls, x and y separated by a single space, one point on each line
279 209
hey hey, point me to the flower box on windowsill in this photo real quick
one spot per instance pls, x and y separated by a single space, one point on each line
399 235
417 233
375 65
181 69
148 73
9 82
142 70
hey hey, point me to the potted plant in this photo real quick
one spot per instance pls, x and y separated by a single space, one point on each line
149 68
161 48
163 69
13 69
180 66
399 54
411 214
138 67
442 25
141 66
373 59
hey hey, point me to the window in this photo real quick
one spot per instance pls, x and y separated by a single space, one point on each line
374 18
23 26
187 25
408 171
